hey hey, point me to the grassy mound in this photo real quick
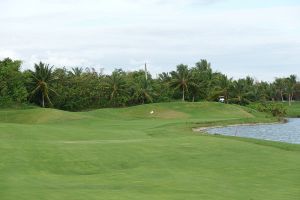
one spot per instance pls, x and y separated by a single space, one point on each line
176 110
36 116
128 153
172 111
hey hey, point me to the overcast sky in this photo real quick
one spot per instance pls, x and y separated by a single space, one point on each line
257 38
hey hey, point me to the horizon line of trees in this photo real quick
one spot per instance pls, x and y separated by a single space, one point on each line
81 89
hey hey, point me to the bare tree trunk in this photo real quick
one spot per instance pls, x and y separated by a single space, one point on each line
183 94
226 97
290 100
43 101
193 98
281 96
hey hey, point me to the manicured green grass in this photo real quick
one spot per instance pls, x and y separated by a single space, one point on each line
294 109
130 154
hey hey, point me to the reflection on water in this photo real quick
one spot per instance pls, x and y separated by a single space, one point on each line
288 132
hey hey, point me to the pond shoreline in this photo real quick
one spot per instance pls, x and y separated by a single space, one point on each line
287 131
203 129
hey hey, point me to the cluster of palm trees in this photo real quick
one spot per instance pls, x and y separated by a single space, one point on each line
200 82
286 86
74 89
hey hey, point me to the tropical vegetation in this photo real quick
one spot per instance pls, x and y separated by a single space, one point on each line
78 89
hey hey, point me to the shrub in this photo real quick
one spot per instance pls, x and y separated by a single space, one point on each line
276 109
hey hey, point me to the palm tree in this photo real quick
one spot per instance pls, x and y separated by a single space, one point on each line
271 91
240 91
43 77
258 92
280 86
223 85
143 91
182 79
194 89
204 77
116 85
162 87
290 83
204 66
77 71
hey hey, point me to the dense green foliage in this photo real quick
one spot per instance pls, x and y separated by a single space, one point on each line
127 153
12 83
276 109
80 89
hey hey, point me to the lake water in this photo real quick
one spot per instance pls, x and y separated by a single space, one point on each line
288 132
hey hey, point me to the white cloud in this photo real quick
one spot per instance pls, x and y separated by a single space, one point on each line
123 33
8 54
57 60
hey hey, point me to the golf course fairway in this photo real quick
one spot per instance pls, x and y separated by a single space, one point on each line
128 153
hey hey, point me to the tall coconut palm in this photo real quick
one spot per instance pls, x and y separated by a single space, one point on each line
290 83
182 79
43 77
204 66
270 91
143 91
204 77
116 85
258 92
240 91
77 71
280 86
222 86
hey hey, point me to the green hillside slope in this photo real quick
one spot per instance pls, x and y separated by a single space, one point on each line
128 153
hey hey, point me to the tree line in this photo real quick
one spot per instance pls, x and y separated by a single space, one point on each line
82 89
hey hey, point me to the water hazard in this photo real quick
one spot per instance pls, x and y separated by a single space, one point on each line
288 132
